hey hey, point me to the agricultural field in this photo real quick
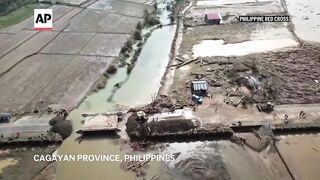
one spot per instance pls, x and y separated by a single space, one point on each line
57 69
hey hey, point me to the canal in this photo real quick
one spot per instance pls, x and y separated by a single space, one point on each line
137 89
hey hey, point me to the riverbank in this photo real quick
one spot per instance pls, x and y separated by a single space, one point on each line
168 77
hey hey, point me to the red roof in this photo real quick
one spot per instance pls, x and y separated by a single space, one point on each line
213 16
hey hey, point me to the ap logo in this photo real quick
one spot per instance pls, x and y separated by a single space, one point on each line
42 19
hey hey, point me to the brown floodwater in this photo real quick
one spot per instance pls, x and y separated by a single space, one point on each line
302 155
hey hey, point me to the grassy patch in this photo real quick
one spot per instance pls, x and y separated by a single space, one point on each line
19 15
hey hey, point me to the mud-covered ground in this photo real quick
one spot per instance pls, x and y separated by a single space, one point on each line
301 153
270 52
306 18
289 77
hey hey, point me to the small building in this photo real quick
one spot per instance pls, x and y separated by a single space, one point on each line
212 18
199 87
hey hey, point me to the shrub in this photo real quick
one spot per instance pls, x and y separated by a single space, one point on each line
129 68
63 128
127 47
152 20
112 69
139 26
137 35
168 7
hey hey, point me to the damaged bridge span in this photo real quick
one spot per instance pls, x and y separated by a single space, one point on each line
221 132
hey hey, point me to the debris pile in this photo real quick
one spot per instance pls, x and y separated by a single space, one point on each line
290 77
60 125
207 165
282 77
161 103
137 167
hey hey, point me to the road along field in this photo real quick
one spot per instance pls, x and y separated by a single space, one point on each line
58 68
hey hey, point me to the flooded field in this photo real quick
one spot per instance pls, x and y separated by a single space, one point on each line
250 34
301 153
121 7
239 49
73 57
197 160
102 21
224 160
256 38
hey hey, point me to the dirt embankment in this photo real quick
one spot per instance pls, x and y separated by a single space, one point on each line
58 69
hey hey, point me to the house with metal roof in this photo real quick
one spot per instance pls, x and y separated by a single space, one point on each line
200 87
212 18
